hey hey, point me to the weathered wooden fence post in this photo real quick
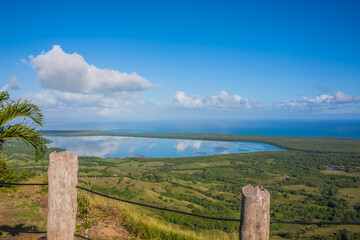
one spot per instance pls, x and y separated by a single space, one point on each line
255 213
62 196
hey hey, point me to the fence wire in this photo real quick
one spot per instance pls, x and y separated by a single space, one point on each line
35 232
191 214
160 208
19 231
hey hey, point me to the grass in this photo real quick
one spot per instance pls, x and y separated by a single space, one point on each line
303 187
211 185
139 222
19 211
351 194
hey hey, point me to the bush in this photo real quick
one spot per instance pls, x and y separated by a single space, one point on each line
7 175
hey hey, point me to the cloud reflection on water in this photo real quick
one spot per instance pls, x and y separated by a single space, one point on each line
182 145
116 146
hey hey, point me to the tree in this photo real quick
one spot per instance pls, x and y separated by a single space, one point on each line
6 174
10 112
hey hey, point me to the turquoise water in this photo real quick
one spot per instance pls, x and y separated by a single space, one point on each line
114 146
299 128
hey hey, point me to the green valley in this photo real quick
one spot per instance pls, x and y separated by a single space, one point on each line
302 186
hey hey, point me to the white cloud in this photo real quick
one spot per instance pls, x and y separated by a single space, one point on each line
71 73
322 102
222 101
45 99
112 105
13 84
343 98
180 99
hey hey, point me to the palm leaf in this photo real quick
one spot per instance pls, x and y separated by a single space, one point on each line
20 109
11 110
26 134
4 96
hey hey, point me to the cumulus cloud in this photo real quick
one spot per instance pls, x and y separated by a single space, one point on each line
13 84
322 102
222 101
66 72
180 99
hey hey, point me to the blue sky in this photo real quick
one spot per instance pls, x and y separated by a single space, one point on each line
146 60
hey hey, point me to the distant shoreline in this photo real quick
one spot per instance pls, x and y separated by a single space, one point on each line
286 128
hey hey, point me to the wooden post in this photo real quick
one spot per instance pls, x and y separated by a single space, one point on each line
255 213
62 196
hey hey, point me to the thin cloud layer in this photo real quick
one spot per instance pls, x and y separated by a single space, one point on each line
222 101
66 72
13 84
322 102
119 104
104 105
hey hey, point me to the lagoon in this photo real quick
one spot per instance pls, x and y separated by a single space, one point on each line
120 147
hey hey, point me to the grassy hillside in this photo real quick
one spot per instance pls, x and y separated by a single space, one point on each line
301 186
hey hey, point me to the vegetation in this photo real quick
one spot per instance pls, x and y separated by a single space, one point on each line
10 111
7 174
23 131
302 186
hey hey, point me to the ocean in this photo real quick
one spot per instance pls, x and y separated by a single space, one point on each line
298 128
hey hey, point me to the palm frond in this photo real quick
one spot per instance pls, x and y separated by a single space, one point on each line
4 96
20 109
26 134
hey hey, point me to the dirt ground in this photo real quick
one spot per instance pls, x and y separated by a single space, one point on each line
20 213
25 210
